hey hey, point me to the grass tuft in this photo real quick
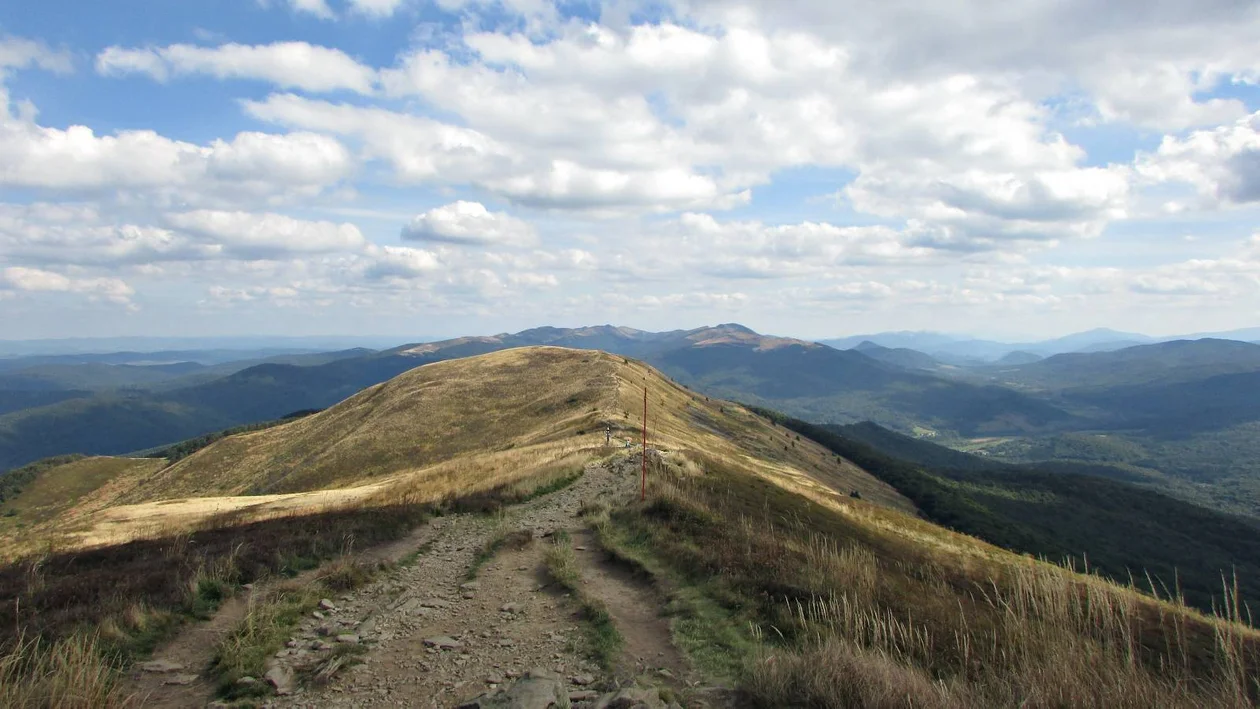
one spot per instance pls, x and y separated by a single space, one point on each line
604 638
72 673
518 539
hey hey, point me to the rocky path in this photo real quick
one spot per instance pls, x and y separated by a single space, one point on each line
429 637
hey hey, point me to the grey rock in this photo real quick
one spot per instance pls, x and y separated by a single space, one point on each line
582 680
539 689
470 586
327 605
160 666
180 679
442 642
631 698
348 638
510 608
281 678
583 695
247 681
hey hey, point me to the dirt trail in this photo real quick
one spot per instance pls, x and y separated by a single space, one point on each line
635 606
189 652
434 640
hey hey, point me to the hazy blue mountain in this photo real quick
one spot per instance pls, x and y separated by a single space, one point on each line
914 340
1166 362
259 345
898 357
962 350
728 360
92 376
1019 357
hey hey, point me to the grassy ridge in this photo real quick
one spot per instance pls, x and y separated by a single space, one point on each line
183 449
1127 533
837 612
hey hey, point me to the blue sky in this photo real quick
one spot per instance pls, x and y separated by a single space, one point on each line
441 167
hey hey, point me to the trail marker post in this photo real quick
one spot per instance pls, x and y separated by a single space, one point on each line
643 475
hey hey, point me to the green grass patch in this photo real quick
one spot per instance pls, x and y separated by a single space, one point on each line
604 639
414 555
707 632
269 623
518 539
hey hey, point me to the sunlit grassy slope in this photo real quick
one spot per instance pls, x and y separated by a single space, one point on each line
456 427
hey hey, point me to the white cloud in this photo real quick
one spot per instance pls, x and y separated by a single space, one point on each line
33 280
286 64
1140 61
465 223
1221 164
376 8
398 262
18 53
318 8
53 234
267 235
251 167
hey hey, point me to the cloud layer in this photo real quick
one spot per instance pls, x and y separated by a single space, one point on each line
793 162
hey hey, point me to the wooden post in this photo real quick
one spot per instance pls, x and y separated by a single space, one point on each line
643 475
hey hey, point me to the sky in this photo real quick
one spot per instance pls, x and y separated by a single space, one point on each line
806 167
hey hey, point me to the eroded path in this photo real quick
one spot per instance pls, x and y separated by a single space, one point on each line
431 638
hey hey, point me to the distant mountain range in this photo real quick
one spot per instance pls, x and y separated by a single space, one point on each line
1142 396
965 350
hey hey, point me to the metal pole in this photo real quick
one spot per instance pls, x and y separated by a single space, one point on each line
643 475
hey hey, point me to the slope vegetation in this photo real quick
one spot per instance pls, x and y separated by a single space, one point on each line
454 428
778 580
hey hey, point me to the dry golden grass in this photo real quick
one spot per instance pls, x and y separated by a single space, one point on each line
56 506
846 612
445 430
69 674
429 415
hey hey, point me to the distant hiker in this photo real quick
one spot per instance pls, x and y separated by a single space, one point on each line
608 435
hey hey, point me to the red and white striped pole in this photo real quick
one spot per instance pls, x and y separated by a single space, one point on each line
643 476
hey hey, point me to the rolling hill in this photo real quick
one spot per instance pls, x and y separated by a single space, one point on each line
898 357
1164 363
466 424
795 565
728 360
1119 529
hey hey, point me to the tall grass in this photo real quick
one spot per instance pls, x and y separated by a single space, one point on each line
71 673
846 614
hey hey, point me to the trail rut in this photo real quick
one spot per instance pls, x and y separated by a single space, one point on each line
434 640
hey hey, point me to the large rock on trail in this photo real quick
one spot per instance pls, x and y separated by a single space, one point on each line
538 689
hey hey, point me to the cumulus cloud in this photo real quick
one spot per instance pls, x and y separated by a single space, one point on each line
251 166
33 280
247 235
318 8
1221 164
54 234
18 53
465 223
377 8
286 64
398 262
